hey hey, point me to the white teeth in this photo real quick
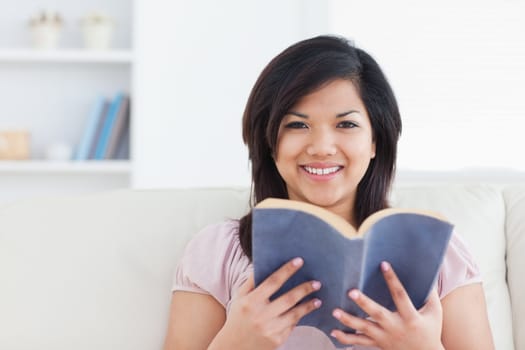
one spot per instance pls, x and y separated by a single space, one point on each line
321 171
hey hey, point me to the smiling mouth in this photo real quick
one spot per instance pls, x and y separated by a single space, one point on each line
322 171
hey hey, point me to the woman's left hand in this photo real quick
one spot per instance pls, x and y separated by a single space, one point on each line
408 328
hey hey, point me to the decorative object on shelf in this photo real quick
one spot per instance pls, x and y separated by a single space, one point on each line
59 151
97 28
45 29
14 145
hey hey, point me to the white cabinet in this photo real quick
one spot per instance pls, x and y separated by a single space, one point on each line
50 92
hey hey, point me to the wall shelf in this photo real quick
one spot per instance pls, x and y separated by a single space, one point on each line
39 167
29 55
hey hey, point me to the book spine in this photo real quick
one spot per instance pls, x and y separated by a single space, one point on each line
98 132
108 127
120 127
83 148
123 148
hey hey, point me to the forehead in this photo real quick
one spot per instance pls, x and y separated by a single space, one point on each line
334 95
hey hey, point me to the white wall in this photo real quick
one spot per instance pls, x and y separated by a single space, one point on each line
195 66
458 70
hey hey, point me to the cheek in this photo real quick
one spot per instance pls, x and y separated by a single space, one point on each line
287 147
359 148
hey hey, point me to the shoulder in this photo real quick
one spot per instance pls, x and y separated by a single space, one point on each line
459 267
218 245
212 262
222 234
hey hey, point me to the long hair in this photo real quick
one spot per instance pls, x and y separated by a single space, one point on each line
294 73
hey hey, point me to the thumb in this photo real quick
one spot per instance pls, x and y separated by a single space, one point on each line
247 286
433 303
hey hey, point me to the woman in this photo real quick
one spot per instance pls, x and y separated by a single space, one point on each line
321 125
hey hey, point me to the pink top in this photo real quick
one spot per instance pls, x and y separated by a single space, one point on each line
220 243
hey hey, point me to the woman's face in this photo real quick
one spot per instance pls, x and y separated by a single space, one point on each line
324 147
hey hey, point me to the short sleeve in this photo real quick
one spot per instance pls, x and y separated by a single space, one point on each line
211 262
458 268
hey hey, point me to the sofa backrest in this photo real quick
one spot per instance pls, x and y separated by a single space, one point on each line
478 213
95 271
515 233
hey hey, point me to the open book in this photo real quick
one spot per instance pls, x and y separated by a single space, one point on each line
342 258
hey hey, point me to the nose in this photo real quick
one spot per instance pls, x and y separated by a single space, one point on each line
322 143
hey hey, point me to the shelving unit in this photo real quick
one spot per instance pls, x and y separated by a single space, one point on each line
38 167
50 93
65 56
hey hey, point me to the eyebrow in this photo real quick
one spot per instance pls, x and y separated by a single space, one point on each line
339 115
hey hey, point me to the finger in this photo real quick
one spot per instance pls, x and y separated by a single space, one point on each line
288 300
292 316
399 295
361 325
353 339
275 281
378 313
247 286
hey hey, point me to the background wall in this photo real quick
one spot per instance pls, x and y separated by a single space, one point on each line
457 69
193 80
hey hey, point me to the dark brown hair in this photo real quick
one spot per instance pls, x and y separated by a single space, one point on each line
294 73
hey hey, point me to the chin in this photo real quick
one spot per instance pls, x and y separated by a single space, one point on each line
326 201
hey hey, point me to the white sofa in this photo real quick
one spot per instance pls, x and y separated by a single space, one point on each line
94 271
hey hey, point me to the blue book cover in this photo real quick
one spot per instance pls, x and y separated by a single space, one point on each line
101 122
343 258
107 127
120 127
88 137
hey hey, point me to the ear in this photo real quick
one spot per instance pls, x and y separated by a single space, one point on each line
373 150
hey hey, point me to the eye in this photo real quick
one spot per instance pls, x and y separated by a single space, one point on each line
296 125
347 124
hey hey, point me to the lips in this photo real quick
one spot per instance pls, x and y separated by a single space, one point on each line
322 170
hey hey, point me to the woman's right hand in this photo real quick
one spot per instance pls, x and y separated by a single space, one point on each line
255 322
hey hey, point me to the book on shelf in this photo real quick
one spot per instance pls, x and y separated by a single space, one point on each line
342 257
89 136
123 148
98 132
120 129
114 124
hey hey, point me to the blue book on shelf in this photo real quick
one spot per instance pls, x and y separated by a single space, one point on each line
107 127
100 125
96 113
120 127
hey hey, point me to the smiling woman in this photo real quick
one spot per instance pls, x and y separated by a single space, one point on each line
321 125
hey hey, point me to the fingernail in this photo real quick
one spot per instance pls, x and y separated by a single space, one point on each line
354 294
333 334
385 266
297 262
316 285
337 314
317 303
